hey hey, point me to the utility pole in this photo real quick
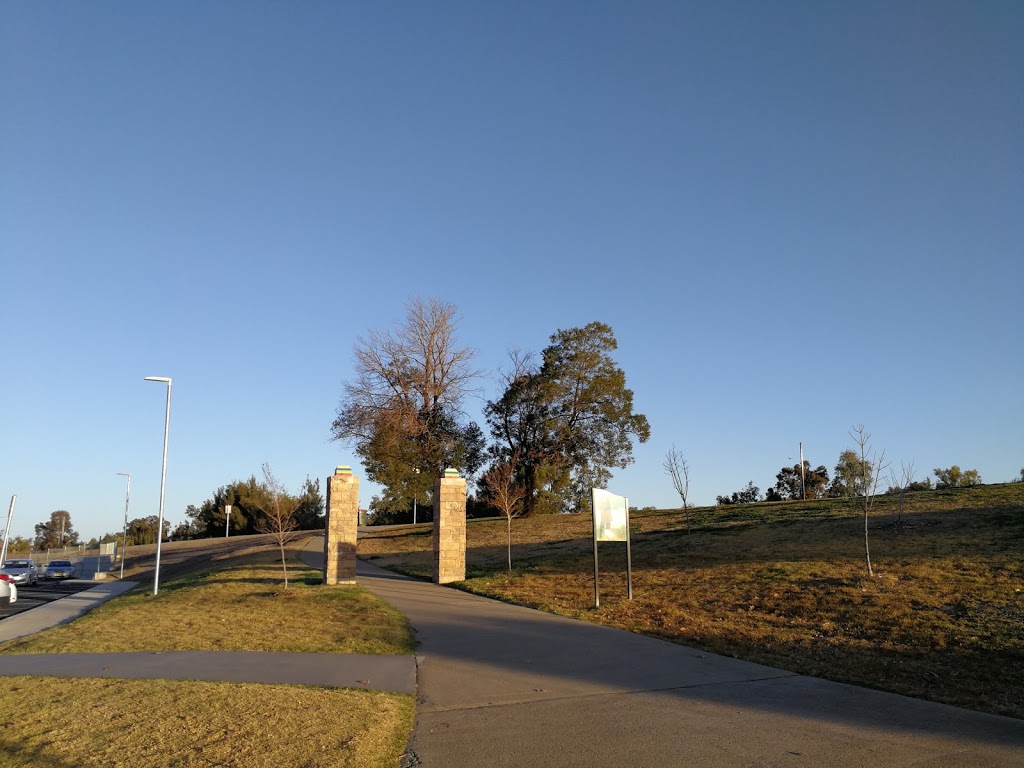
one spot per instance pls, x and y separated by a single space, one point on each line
7 530
127 498
803 481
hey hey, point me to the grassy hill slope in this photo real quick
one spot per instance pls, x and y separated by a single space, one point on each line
786 584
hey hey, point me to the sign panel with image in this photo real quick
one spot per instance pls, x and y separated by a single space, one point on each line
611 523
611 516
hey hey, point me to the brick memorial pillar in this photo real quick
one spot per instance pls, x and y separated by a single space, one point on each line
449 528
341 527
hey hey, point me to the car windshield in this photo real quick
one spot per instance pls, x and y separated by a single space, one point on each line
60 564
16 564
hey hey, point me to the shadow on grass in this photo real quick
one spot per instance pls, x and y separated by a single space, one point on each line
16 752
518 642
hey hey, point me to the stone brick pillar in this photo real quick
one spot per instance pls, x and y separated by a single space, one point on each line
449 528
341 527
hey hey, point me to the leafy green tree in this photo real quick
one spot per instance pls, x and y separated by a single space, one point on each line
790 485
56 532
143 530
247 499
954 477
184 531
309 511
209 519
19 544
749 494
403 409
851 475
569 420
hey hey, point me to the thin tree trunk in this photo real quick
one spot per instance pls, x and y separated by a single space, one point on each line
284 565
510 544
867 549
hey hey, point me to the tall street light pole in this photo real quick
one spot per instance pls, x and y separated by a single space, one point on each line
124 539
414 492
163 480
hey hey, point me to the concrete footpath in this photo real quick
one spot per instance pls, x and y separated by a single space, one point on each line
343 670
60 611
501 685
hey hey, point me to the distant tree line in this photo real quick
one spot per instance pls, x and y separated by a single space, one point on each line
850 480
250 501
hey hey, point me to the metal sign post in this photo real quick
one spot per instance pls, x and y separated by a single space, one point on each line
611 523
227 520
597 594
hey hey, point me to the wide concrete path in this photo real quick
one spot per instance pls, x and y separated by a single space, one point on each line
501 685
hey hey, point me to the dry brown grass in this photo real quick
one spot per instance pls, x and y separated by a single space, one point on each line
145 724
107 723
240 607
786 585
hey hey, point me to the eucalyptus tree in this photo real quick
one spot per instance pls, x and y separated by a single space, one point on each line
55 532
569 419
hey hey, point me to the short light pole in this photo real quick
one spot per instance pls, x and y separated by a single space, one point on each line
163 480
124 539
227 520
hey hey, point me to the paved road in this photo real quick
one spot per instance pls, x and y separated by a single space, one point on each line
501 685
42 593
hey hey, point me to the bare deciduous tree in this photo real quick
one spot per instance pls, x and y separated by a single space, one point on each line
679 470
278 519
402 409
901 483
506 494
870 465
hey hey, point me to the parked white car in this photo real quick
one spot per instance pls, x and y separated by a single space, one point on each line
22 571
8 592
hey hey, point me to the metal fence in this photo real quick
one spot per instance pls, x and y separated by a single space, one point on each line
87 561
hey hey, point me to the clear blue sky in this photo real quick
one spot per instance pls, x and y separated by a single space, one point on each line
796 217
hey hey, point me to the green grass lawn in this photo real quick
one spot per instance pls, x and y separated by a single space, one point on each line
239 606
786 584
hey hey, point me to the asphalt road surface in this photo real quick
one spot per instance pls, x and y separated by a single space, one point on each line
43 592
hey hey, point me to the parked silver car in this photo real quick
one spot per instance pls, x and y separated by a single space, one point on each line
59 569
22 571
8 592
